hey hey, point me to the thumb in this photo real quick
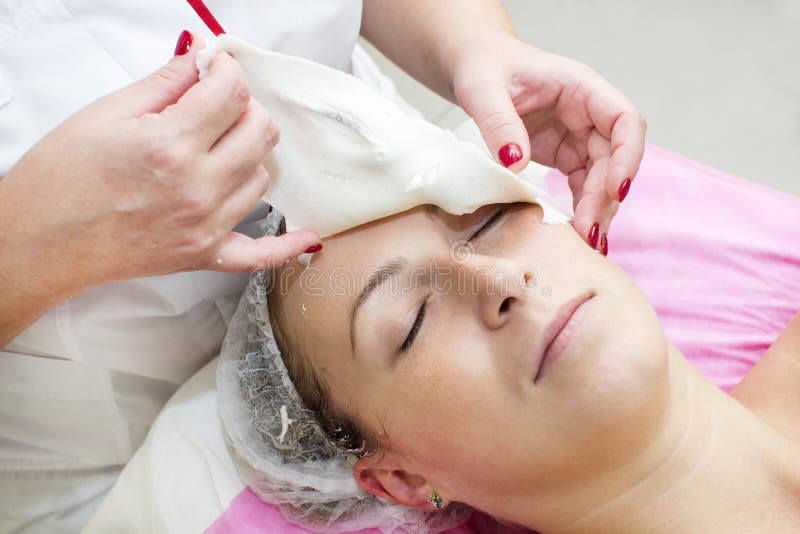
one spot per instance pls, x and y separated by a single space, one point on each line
239 253
163 87
500 124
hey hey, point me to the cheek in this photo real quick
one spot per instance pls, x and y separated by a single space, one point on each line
458 419
622 372
447 381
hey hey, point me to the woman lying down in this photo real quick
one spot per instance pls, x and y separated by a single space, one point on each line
494 361
426 363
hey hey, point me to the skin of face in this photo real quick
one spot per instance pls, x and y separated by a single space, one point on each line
458 411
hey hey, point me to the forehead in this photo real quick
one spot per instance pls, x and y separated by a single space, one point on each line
361 250
316 301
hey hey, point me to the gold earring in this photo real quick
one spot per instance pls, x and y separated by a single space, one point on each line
435 500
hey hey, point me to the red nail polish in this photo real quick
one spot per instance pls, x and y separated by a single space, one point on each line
184 43
314 248
593 232
509 154
604 245
623 189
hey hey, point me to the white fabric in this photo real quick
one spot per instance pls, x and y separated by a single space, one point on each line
378 160
182 478
80 388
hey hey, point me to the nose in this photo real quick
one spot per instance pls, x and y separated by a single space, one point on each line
500 289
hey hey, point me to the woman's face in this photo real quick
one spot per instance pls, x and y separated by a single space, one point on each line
440 354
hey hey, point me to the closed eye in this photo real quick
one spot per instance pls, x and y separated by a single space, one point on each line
488 224
412 334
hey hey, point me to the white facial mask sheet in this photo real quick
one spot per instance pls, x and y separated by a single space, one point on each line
348 156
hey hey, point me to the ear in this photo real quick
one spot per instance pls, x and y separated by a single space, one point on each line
386 479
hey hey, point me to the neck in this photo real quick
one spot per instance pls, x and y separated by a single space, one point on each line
714 467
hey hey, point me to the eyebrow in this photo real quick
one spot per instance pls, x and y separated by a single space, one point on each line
376 279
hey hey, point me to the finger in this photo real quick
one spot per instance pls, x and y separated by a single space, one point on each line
627 145
592 206
500 124
575 180
155 92
590 199
571 152
241 199
239 253
244 145
211 106
604 226
619 121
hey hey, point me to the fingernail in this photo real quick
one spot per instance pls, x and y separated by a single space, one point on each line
184 43
314 248
509 154
623 189
593 235
604 245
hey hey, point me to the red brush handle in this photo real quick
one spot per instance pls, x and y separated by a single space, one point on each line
201 9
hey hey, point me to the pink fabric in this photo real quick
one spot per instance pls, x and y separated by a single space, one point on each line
719 258
247 514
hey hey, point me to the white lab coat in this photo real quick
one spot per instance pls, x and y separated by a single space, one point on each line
80 387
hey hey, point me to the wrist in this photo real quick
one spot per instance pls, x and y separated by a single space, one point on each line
33 276
30 285
24 300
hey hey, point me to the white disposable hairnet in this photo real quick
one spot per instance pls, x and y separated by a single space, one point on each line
280 450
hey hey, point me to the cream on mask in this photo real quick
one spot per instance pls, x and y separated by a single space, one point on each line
348 155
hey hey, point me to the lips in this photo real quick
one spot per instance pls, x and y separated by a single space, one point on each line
556 326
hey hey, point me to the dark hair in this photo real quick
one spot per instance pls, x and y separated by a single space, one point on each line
344 431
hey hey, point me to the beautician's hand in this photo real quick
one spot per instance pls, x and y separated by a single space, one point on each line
145 181
558 112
